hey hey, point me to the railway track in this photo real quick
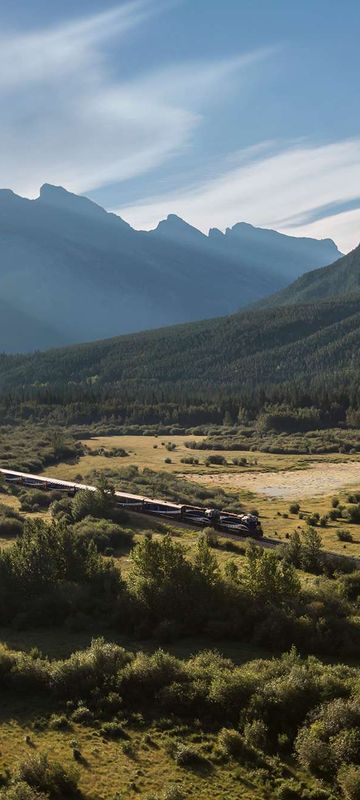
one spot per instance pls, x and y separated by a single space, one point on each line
230 526
225 522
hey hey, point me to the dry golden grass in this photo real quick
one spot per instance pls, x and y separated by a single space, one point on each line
151 452
148 451
106 770
143 451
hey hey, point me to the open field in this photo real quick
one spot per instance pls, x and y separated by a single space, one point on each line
109 770
315 479
269 484
143 451
151 451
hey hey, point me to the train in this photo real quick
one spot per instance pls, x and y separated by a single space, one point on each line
222 521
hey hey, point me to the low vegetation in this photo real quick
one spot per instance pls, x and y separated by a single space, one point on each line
260 716
31 448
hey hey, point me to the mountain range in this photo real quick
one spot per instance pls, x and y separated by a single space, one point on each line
72 272
296 342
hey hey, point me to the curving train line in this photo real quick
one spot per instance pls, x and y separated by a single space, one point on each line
220 520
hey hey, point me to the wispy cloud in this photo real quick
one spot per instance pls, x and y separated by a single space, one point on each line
43 55
271 190
66 119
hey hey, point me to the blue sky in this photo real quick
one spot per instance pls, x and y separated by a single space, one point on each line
218 111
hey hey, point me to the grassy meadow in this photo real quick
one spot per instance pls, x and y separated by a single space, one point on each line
149 452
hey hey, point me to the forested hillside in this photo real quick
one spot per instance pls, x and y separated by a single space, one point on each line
340 278
252 349
303 355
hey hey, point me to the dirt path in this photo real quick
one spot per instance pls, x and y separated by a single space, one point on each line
319 479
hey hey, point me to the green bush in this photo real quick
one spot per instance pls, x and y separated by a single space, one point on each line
10 527
231 742
215 460
103 534
256 734
313 753
188 756
82 715
349 781
50 778
113 730
294 508
344 536
59 722
22 791
354 514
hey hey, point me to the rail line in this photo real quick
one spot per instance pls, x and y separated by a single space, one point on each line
221 520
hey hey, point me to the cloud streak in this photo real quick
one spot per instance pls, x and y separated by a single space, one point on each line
271 190
66 119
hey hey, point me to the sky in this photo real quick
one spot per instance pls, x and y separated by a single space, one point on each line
220 112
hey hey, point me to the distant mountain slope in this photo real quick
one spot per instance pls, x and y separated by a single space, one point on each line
77 273
340 278
249 349
288 256
14 330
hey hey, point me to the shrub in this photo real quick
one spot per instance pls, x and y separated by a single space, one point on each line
173 793
34 500
312 752
350 585
349 781
311 551
103 534
354 514
59 722
354 498
89 670
335 502
345 746
211 538
22 791
215 459
289 790
344 536
82 715
294 508
100 504
313 519
113 730
231 742
188 756
10 527
50 778
255 734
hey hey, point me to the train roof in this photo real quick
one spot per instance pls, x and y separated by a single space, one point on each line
75 485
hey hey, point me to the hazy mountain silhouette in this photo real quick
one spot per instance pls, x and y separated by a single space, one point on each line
72 272
288 256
